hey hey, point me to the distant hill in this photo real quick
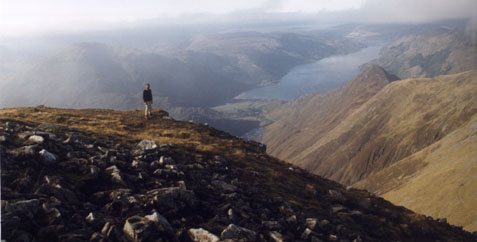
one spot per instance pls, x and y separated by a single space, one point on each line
438 52
206 71
107 175
405 131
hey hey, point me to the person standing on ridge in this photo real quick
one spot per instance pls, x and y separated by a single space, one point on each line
147 97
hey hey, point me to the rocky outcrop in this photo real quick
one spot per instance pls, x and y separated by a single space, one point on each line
100 189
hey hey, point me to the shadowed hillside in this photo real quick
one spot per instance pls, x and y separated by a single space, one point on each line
106 175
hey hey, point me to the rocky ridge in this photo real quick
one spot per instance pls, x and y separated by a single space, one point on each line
61 183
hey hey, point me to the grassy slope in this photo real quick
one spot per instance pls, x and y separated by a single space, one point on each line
300 122
403 118
439 180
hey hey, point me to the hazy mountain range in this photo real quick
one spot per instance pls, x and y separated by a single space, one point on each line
187 67
440 51
207 71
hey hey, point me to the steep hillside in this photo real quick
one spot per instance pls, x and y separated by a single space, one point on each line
300 123
414 140
105 175
439 180
442 51
401 119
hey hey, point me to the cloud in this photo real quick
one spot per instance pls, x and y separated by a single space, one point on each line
28 16
416 11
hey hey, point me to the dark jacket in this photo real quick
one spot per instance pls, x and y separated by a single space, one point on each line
147 95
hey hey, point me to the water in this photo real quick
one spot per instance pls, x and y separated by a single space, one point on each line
321 76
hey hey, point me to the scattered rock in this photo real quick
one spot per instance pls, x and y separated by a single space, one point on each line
103 190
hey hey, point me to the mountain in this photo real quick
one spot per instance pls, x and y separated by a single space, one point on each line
401 119
438 52
204 71
300 123
438 180
417 130
105 175
99 75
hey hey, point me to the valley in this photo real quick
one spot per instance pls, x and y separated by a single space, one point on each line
389 108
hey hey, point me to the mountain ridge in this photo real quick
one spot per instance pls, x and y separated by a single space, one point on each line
331 107
438 52
107 175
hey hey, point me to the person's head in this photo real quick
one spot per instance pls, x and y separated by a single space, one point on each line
148 86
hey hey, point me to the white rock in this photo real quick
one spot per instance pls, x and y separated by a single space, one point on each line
90 218
36 139
202 235
116 175
306 234
277 237
147 144
154 217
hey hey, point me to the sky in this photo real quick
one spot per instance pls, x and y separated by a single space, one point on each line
19 17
